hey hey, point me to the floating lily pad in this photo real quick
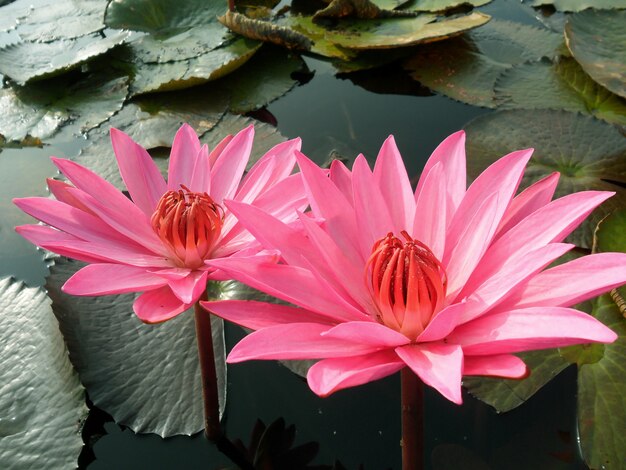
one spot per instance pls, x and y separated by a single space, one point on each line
26 61
466 68
559 85
13 13
146 376
160 16
589 154
506 394
601 392
400 32
611 236
42 404
597 40
579 5
38 110
151 77
442 5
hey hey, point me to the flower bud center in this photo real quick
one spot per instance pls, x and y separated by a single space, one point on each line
188 224
407 282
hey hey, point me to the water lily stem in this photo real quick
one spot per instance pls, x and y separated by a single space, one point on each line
204 338
231 5
412 421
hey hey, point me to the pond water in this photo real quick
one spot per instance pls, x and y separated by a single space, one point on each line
355 426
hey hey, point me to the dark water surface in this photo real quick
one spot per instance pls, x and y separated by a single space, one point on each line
355 426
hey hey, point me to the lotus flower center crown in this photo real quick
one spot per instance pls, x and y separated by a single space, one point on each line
188 224
407 282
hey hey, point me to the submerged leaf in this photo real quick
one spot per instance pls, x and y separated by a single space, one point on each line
26 61
362 9
42 404
560 85
38 110
597 40
466 68
610 235
589 154
601 395
146 376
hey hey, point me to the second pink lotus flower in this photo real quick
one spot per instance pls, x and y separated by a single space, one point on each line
446 280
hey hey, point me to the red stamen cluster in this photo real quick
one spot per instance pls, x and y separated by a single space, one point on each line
407 281
189 224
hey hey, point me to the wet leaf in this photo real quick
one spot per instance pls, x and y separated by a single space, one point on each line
601 395
152 77
442 5
26 61
611 236
507 394
466 68
265 31
560 85
146 376
597 40
162 16
42 404
579 5
38 110
589 154
400 32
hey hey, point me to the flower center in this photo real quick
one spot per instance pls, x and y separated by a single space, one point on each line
407 282
189 224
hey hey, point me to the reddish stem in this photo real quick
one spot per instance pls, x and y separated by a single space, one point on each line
412 421
231 5
204 338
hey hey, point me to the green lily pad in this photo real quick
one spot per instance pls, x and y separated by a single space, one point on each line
13 13
560 85
601 392
39 110
611 236
400 32
146 376
42 404
151 77
579 5
442 5
590 154
466 68
507 394
26 61
597 40
161 16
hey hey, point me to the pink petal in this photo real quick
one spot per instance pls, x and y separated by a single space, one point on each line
438 365
190 288
516 270
200 181
42 235
330 375
443 323
289 283
451 154
139 172
276 165
228 169
550 224
368 332
294 341
219 148
429 224
572 282
185 149
505 366
256 315
158 305
59 191
392 179
529 329
528 201
103 279
372 215
329 203
342 178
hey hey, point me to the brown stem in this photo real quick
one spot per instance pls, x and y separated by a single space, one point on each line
412 421
204 338
231 5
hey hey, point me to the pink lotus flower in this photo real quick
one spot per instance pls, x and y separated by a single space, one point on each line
159 241
446 280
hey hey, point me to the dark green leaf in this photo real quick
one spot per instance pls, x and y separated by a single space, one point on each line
611 236
590 154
